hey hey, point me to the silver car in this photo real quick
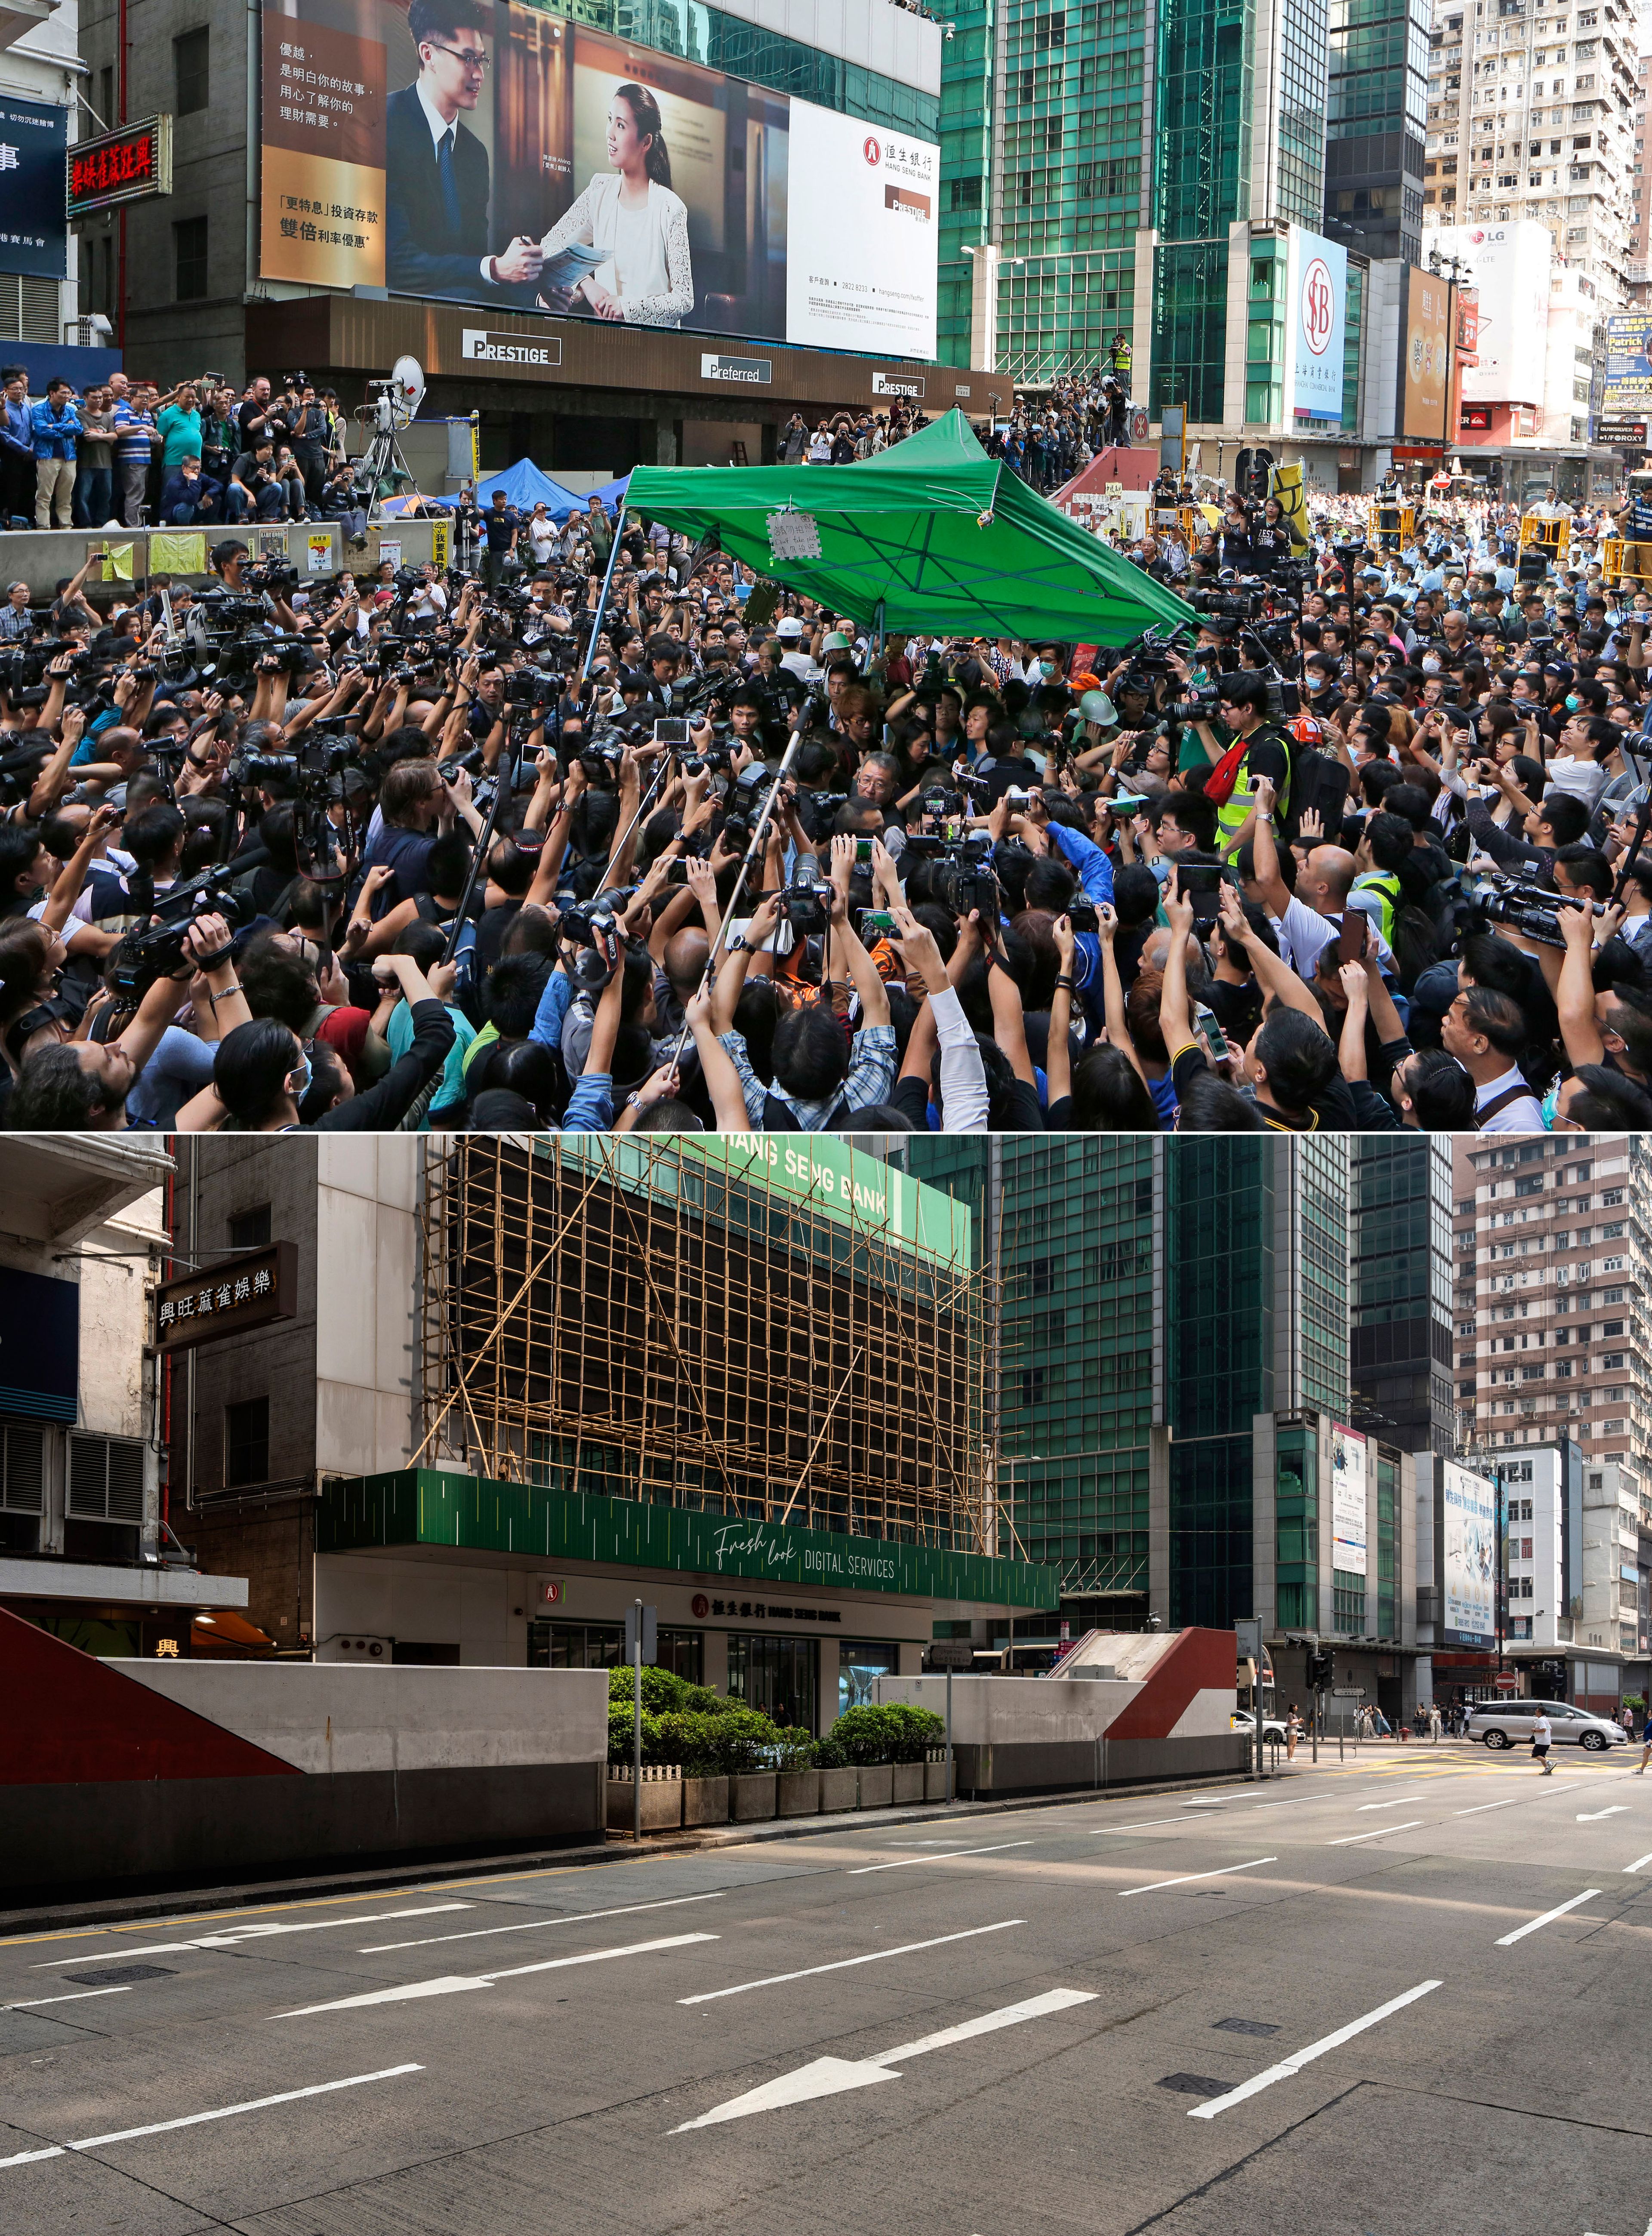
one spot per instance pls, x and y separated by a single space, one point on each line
1504 1723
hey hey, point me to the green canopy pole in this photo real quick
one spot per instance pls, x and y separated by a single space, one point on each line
878 631
602 602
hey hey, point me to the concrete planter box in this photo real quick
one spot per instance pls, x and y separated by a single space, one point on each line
704 1800
877 1786
839 1789
751 1797
662 1804
935 1781
906 1781
798 1793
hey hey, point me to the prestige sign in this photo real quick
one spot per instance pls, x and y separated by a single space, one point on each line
477 346
242 1292
888 383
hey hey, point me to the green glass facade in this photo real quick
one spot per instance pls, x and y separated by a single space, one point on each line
1399 1252
1323 1212
1296 1522
967 134
1376 123
761 56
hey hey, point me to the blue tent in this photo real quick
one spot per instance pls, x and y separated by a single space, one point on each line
524 486
612 493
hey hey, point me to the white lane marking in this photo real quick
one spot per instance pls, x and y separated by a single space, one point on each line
1376 1833
534 1924
235 1936
195 2119
454 1984
1291 2066
1227 1871
80 1995
1481 1807
864 1870
1145 1825
847 1963
1639 1864
831 2076
1398 1802
1222 1803
1548 1917
1594 1816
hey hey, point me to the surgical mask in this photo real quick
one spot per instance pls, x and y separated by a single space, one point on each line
1047 669
1430 665
298 1080
1571 703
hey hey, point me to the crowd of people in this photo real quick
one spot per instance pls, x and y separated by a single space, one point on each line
124 454
1362 848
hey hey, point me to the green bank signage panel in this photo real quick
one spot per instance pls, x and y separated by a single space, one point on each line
426 1506
811 1169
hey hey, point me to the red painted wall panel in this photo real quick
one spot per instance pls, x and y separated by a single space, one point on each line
1198 1660
67 1718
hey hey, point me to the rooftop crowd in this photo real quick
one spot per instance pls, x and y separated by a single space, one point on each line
371 852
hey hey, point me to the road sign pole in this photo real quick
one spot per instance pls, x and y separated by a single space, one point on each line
949 1735
636 1734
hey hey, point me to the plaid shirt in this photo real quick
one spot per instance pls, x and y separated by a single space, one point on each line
872 1074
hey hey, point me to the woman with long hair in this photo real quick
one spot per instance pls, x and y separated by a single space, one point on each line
632 214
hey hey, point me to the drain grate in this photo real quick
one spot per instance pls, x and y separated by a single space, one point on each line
1244 2026
118 1975
1195 2084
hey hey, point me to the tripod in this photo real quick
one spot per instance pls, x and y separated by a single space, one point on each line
384 469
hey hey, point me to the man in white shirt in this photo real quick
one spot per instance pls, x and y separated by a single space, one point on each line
1485 1031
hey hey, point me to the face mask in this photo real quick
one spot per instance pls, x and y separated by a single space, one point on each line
298 1080
1047 669
1571 703
1430 667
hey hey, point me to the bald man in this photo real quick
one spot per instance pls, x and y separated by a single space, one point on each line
1309 916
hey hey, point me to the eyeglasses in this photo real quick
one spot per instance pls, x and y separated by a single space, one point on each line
467 56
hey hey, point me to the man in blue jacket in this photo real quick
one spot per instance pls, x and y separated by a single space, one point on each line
17 449
56 426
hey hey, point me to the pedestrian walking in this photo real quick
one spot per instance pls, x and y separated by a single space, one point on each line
1433 1720
1541 1734
1646 1741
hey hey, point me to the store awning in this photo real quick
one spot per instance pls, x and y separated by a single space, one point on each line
931 535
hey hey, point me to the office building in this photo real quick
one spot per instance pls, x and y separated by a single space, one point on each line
794 147
44 110
527 1384
85 1548
1531 114
1550 1333
1376 125
1177 1430
1399 1275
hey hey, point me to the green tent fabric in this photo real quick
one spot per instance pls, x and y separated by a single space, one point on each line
947 540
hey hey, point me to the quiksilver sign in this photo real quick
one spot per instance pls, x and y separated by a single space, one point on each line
752 371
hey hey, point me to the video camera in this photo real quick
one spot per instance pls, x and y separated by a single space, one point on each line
1497 896
143 957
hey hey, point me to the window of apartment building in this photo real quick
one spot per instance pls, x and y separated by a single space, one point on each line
246 1442
189 71
250 1230
189 256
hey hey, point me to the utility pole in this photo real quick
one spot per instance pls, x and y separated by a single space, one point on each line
1454 272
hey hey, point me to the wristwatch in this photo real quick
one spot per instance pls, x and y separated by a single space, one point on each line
736 943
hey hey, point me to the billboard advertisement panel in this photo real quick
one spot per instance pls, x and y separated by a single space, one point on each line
1469 1514
1628 366
1427 329
1509 266
1347 1502
34 229
1317 298
521 162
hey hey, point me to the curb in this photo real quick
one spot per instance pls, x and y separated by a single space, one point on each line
176 1902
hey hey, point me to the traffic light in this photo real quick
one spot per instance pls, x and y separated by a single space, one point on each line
1321 1668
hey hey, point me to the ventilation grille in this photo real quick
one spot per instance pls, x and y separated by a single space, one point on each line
28 308
23 1469
106 1478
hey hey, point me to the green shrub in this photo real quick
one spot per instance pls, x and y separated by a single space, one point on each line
794 1748
895 1733
663 1691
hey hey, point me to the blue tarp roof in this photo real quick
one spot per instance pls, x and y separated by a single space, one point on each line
524 486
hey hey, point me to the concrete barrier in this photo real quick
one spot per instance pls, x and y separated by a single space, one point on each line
42 557
118 1770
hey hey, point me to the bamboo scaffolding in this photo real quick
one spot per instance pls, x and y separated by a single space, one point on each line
656 1323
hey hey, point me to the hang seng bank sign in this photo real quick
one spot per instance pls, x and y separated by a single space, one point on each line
429 1507
1316 320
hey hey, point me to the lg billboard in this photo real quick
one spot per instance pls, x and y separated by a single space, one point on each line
519 161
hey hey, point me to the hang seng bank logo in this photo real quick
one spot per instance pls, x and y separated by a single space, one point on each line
1319 305
872 152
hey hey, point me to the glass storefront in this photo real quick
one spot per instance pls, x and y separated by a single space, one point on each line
602 1645
860 1663
775 1674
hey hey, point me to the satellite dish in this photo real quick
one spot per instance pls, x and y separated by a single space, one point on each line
406 389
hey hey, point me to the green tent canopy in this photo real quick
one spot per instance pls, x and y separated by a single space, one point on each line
947 541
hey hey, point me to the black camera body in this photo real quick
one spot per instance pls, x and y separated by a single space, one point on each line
804 906
143 957
965 884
